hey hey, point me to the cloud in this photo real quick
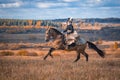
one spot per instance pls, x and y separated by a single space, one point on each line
70 0
49 9
94 1
50 4
10 5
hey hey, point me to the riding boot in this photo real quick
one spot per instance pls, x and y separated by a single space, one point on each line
70 46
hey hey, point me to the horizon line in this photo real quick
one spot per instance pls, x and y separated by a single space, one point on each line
62 18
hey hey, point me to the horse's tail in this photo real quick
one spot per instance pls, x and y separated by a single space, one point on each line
94 47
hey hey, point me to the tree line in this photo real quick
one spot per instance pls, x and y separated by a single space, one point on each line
25 26
19 22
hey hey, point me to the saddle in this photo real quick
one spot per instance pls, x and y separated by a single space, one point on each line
70 41
71 38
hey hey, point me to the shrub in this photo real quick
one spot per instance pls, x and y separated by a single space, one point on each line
26 53
112 47
22 53
6 53
115 45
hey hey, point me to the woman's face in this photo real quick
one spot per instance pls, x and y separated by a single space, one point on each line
69 22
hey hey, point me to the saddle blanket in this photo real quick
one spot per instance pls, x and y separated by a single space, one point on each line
71 38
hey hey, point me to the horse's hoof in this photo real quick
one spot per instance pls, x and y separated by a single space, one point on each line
74 61
44 58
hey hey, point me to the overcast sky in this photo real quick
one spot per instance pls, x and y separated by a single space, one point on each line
55 9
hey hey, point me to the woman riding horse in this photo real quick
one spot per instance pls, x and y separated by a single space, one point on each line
71 34
58 44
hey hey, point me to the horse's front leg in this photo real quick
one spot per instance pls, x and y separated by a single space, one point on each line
49 53
78 56
86 55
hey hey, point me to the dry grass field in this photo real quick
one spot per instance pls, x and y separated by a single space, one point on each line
61 67
23 46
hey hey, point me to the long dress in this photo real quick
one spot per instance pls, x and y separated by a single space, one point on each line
71 34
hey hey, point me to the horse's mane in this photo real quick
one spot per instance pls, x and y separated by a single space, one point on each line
57 31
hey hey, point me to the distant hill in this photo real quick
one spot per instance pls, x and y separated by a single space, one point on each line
55 22
91 20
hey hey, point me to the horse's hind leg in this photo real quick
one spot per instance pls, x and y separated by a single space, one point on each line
86 55
78 57
49 53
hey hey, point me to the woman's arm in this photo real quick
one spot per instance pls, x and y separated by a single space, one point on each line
71 29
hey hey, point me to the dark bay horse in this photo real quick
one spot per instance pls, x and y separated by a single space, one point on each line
58 43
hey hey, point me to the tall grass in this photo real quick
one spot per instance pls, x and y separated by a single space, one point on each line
59 68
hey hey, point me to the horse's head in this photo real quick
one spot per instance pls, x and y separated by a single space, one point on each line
51 33
48 34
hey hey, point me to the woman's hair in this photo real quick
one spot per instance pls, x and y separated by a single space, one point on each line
70 20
